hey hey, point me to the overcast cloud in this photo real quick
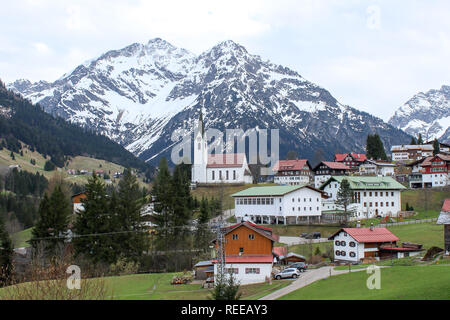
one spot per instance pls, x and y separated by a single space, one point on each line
372 55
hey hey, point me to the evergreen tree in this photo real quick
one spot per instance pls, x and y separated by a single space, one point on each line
436 147
419 139
54 214
375 148
6 255
202 235
413 141
226 288
129 219
49 166
95 221
344 198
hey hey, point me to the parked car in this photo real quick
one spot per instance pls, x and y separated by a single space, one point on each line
287 273
313 235
303 235
210 280
301 266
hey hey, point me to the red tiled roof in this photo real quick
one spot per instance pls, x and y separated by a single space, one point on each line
290 164
446 205
264 231
427 161
279 251
247 259
367 235
360 157
335 165
226 160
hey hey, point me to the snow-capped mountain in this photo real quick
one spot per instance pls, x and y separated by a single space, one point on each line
426 113
141 94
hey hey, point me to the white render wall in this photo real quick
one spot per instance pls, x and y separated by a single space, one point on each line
436 179
240 177
358 249
320 179
285 206
292 180
374 196
242 277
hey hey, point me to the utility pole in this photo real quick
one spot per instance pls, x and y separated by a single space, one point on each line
220 252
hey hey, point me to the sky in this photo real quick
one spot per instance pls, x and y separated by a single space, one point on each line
372 55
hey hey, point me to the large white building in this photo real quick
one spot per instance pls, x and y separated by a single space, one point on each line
411 152
279 204
217 168
373 196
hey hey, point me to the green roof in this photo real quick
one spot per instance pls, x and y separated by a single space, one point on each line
361 182
267 191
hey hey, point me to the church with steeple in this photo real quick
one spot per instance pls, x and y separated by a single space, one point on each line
217 168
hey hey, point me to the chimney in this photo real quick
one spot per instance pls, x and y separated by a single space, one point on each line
371 227
358 224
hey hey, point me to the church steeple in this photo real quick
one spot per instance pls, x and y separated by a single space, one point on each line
201 125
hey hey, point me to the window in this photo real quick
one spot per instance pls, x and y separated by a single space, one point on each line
235 237
381 203
343 243
365 194
241 250
252 270
293 209
258 201
220 174
227 175
392 204
352 244
370 204
338 253
254 201
352 254
293 199
345 234
213 176
365 204
376 204
232 270
271 201
251 236
337 243
392 193
376 194
298 209
387 204
199 146
343 253
234 174
370 194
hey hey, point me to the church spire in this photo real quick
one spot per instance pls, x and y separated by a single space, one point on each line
201 125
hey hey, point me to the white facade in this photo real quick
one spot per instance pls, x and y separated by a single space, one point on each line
292 180
370 203
348 249
436 179
320 179
380 169
78 207
298 205
248 272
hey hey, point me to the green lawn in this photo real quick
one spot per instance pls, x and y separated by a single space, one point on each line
157 286
20 238
417 282
428 234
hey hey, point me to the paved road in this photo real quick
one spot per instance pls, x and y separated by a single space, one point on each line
305 279
297 240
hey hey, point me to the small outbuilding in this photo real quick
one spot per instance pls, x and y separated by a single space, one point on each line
203 270
291 258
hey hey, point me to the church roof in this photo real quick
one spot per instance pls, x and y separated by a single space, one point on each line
226 160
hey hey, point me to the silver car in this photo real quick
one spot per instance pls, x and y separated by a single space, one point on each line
287 273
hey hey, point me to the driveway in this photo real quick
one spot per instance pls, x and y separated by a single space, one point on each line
297 240
305 279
